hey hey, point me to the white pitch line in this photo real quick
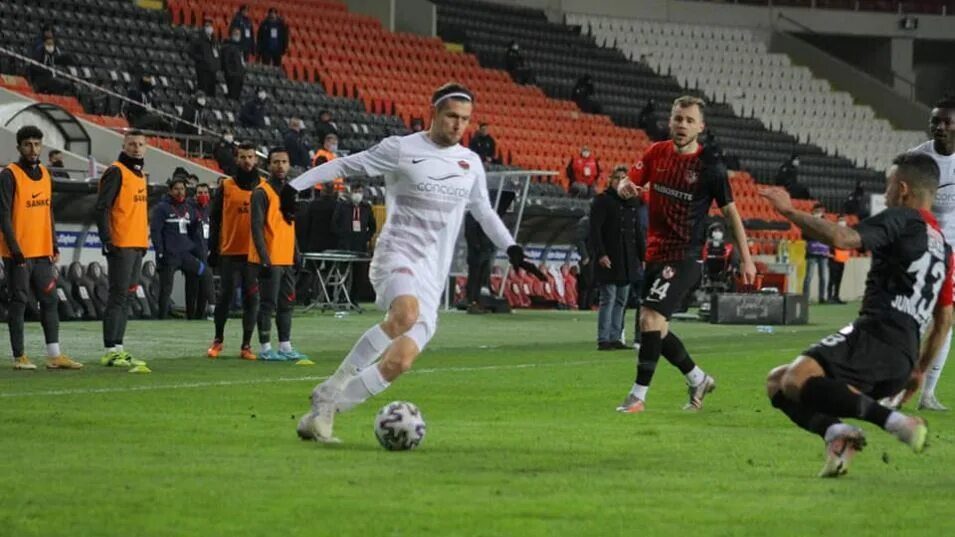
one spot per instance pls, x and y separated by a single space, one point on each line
192 385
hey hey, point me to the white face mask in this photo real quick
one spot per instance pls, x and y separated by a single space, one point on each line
228 138
262 95
717 236
208 30
49 48
585 154
332 147
356 198
201 102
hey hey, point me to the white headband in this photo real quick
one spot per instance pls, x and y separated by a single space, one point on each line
458 95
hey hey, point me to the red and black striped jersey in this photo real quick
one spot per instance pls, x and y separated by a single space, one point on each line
681 192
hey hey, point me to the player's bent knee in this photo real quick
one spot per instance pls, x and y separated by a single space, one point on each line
402 315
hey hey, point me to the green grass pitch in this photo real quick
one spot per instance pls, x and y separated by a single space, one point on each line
522 440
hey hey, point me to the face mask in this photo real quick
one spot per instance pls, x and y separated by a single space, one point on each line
356 198
201 102
585 154
717 236
179 198
796 162
49 48
237 38
262 95
202 199
332 147
228 138
208 30
842 223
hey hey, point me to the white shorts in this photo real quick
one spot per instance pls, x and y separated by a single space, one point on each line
402 282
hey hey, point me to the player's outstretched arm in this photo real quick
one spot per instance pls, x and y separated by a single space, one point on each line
377 160
820 229
747 266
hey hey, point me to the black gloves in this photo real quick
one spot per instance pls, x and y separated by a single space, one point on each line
107 248
265 271
515 254
18 258
287 202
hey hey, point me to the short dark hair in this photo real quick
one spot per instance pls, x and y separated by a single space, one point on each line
947 102
277 149
174 180
54 152
439 94
29 132
918 170
200 185
327 136
134 132
246 146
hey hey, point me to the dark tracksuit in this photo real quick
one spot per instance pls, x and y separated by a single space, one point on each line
123 264
276 283
177 238
200 289
38 272
480 258
233 268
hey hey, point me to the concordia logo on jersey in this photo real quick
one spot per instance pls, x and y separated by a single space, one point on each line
442 189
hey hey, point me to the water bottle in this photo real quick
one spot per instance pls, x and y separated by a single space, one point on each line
341 314
764 329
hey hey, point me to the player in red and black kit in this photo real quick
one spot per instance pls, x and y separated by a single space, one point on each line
681 179
909 286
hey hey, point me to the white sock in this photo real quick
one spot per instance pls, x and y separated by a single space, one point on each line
695 376
935 372
895 422
640 391
285 346
266 347
360 388
52 350
366 350
111 349
119 348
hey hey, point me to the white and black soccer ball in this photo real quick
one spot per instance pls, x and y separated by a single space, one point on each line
399 426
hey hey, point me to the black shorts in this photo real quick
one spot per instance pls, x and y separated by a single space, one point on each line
869 364
666 284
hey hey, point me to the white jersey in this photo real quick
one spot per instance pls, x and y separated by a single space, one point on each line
428 189
944 206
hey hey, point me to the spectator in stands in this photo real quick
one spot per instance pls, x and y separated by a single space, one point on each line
514 63
817 255
328 151
484 145
585 268
618 248
583 95
296 142
42 79
224 153
855 201
193 118
204 52
233 64
140 113
354 222
837 266
647 119
56 164
176 233
583 171
45 33
253 111
326 125
243 23
272 39
417 124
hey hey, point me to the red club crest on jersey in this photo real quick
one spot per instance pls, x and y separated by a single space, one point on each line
464 165
668 272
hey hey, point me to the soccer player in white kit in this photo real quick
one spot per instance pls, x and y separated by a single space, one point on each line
941 148
430 181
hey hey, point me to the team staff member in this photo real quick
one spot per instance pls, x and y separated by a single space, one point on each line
200 289
327 153
123 222
273 250
230 226
177 240
28 248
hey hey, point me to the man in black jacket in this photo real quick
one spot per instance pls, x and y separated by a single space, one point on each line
354 222
204 52
200 291
618 250
193 113
253 111
44 80
224 153
176 232
483 144
233 64
243 23
272 39
141 115
296 143
585 269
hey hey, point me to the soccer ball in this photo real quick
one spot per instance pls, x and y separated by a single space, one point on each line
399 426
